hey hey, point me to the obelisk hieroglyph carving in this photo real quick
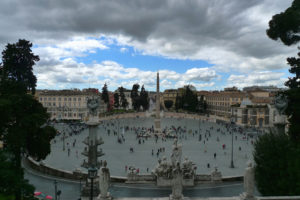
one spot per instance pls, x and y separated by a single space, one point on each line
157 128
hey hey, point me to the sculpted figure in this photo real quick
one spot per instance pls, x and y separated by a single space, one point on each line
176 153
93 104
177 183
187 167
248 183
281 103
104 181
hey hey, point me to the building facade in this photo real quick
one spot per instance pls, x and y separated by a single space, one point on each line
67 104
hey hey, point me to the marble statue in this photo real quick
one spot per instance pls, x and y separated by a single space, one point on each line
281 103
177 183
93 104
216 176
188 168
163 168
104 179
249 183
176 153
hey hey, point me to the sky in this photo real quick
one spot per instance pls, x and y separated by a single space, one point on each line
211 44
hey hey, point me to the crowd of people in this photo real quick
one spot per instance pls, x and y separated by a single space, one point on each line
117 130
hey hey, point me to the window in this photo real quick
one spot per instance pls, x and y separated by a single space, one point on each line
79 99
49 98
65 99
69 104
41 99
54 99
74 99
45 98
70 99
59 99
53 104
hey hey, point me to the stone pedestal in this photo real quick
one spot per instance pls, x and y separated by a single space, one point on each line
86 190
107 197
157 128
173 197
245 196
279 123
216 176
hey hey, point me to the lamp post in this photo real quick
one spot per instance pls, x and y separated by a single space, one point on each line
186 106
231 127
92 172
55 188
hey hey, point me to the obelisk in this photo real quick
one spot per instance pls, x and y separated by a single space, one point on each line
157 128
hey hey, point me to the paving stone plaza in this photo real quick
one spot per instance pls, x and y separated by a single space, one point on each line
211 147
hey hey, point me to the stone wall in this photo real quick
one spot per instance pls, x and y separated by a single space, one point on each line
140 178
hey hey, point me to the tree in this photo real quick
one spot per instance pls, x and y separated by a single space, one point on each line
277 162
105 96
202 105
116 100
12 182
293 94
18 61
23 120
168 104
277 155
135 96
285 25
190 100
144 99
124 102
178 103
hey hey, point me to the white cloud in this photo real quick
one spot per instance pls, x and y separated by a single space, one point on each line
123 49
257 78
229 34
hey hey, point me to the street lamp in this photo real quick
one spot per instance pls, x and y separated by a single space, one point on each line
55 188
186 106
64 133
92 172
231 130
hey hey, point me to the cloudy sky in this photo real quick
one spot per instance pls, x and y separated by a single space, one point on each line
210 44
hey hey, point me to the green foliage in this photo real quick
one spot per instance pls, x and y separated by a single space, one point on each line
168 104
190 100
293 94
202 105
105 96
23 119
12 181
18 60
285 26
144 99
135 97
277 165
116 100
178 103
277 155
124 102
